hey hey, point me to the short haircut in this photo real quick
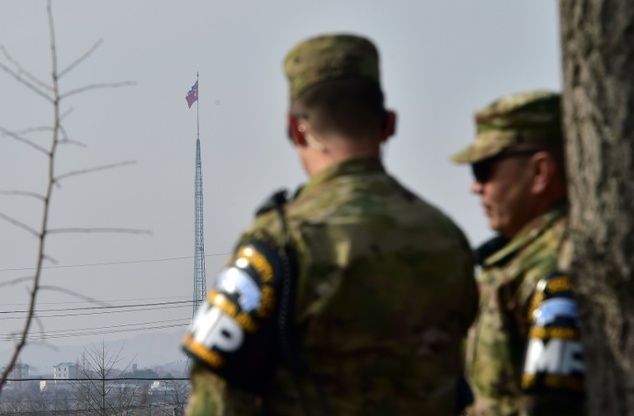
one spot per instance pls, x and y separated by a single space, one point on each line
351 107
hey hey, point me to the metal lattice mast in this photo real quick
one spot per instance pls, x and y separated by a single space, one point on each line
200 280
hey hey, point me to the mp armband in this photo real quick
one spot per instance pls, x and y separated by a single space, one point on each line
235 331
554 353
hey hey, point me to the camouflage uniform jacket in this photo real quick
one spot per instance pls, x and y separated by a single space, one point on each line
497 345
385 294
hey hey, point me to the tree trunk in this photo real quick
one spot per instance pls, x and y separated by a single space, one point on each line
597 39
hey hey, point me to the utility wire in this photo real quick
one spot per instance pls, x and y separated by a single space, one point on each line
101 308
111 329
74 315
106 301
111 263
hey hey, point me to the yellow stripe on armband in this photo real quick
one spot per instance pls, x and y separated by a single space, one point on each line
554 333
210 357
220 301
553 381
246 322
538 297
258 261
267 303
559 284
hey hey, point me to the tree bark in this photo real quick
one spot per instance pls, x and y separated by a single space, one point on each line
597 39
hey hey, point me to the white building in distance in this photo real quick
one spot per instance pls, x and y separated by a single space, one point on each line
66 371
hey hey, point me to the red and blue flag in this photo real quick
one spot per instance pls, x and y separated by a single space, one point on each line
192 95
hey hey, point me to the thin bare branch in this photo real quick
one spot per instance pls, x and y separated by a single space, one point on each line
95 169
23 193
59 136
24 140
73 294
98 230
39 323
80 59
42 342
25 83
65 140
45 213
49 258
34 130
96 86
66 113
21 71
62 131
51 30
15 281
18 224
73 142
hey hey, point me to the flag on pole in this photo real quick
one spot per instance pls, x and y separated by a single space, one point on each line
192 95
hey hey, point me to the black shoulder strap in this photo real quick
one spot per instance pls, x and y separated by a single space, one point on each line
278 199
287 301
286 326
287 338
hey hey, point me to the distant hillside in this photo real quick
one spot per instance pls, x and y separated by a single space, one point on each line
146 350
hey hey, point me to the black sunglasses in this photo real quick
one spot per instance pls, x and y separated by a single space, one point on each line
483 170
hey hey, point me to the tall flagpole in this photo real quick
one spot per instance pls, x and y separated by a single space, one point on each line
200 280
197 109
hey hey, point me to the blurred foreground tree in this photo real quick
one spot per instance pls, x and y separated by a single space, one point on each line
51 92
597 39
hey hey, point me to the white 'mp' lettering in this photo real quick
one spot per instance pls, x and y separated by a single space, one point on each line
199 319
542 358
572 358
217 330
556 357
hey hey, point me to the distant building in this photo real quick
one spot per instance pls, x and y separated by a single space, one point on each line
66 371
19 372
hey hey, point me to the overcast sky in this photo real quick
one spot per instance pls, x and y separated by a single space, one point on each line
441 61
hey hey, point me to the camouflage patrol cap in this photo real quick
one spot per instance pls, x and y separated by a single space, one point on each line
530 118
328 57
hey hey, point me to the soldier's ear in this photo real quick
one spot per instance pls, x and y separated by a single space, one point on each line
543 167
389 125
294 133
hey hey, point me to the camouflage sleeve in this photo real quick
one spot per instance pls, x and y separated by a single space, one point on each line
553 368
211 396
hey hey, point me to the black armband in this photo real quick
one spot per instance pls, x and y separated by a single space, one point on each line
554 353
235 332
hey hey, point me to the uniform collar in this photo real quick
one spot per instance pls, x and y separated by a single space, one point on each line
349 167
529 233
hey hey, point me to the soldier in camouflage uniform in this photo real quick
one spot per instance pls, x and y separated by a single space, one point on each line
353 297
524 353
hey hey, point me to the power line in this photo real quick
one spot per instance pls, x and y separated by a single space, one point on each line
111 329
74 315
170 299
107 327
112 263
95 308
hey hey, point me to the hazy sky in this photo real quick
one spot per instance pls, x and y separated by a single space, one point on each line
441 61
